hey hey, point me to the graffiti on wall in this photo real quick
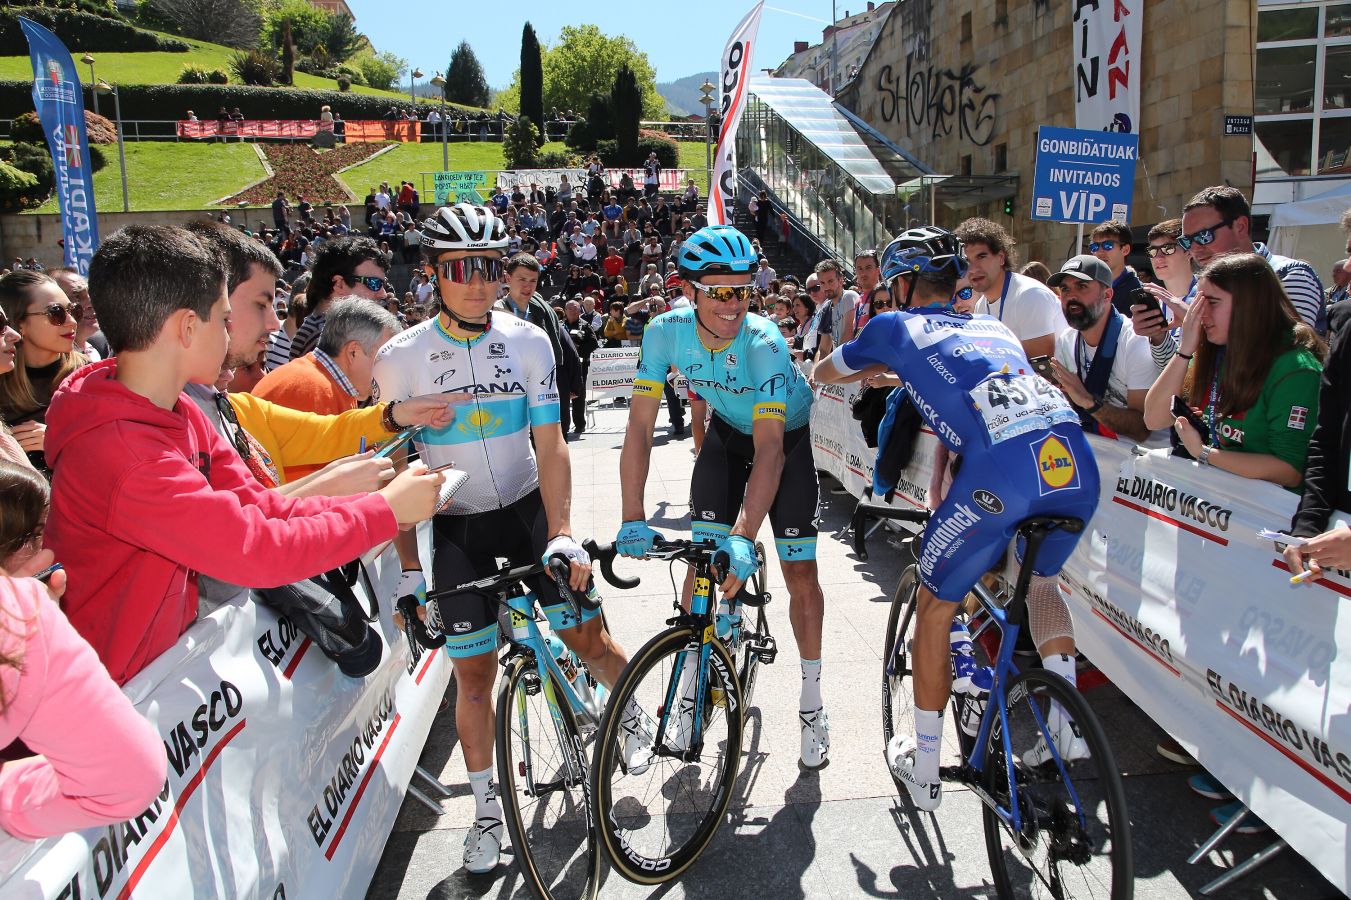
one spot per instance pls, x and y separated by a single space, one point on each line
934 100
938 100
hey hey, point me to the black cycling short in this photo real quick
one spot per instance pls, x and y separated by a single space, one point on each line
718 489
467 548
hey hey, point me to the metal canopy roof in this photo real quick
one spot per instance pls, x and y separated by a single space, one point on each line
813 114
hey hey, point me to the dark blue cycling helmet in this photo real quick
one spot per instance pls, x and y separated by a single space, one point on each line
716 250
927 250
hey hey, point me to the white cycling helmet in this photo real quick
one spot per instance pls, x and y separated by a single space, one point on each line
463 226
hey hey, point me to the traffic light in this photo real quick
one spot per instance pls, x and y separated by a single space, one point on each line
1008 206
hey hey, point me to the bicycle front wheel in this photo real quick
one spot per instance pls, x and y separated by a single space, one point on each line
1073 835
542 772
659 809
898 687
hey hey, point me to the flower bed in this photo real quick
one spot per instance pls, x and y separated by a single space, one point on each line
300 170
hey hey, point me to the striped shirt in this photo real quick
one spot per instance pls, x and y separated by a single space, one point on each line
278 350
307 335
332 369
1301 286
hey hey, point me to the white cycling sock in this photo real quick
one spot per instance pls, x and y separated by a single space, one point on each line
810 700
1064 666
928 744
486 804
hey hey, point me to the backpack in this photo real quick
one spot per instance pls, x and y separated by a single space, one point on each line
325 609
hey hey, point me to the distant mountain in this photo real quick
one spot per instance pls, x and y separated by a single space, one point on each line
682 96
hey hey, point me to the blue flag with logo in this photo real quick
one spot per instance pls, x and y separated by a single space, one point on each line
60 107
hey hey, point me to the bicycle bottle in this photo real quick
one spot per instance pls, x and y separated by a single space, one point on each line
963 657
982 679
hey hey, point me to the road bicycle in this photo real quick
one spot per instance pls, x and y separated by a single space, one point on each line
1060 829
658 812
548 704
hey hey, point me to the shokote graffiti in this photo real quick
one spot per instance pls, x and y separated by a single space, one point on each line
939 100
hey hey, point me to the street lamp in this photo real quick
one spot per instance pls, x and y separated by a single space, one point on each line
89 61
440 84
104 87
706 91
413 76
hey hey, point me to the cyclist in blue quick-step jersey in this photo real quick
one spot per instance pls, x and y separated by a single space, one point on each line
1023 454
756 459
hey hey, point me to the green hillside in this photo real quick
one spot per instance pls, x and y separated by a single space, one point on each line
163 68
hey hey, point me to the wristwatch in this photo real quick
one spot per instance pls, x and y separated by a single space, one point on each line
1204 458
1097 405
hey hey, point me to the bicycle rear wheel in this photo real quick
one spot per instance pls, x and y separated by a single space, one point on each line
542 771
655 820
1074 838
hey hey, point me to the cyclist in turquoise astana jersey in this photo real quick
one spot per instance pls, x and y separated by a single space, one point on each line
756 459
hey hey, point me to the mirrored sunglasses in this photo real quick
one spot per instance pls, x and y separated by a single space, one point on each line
1202 236
373 283
725 292
462 271
1095 246
1167 249
963 294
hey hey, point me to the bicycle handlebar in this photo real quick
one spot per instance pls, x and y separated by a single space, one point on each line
679 549
605 555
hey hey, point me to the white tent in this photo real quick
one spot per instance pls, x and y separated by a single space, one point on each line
1307 229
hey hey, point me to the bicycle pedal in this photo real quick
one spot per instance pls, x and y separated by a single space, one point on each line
956 774
765 649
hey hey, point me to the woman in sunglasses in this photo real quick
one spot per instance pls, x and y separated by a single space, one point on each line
877 302
46 321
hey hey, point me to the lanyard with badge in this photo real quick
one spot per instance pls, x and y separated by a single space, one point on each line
1008 277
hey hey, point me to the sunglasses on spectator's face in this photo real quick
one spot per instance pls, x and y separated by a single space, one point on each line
725 292
59 313
884 304
1095 246
1202 236
963 294
813 289
373 283
1167 249
462 271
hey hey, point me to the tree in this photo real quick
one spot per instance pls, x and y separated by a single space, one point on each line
465 81
234 23
308 24
626 103
340 39
520 148
600 115
585 61
532 79
288 55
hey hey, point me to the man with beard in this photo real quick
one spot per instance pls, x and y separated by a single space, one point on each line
1102 365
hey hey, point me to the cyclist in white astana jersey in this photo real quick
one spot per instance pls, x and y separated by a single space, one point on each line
517 501
509 370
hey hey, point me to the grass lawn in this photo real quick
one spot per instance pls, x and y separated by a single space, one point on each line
692 158
172 176
163 68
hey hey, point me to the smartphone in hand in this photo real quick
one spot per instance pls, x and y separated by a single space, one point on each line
1182 410
1142 297
1042 366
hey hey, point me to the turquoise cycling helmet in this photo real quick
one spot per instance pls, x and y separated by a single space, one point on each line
716 250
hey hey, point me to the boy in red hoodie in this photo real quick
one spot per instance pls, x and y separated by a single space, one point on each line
146 494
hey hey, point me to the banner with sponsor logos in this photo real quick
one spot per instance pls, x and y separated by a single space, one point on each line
1107 61
1178 601
59 102
736 73
612 371
285 776
668 180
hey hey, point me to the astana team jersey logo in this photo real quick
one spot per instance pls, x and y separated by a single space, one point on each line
481 423
1056 466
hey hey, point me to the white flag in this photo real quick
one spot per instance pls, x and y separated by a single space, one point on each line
736 70
1107 61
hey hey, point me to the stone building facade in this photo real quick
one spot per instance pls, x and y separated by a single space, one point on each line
963 85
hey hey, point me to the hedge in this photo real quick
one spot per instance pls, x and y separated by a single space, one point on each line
171 101
84 32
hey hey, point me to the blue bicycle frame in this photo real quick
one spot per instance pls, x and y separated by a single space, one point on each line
699 608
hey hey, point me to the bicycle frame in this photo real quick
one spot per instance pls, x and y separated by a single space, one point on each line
700 603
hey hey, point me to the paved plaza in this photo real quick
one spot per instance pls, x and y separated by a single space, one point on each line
840 832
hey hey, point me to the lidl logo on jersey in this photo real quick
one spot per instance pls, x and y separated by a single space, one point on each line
1056 466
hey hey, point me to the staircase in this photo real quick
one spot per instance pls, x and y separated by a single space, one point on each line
784 260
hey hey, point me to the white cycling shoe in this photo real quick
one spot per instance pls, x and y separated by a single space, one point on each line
815 737
901 753
483 846
636 749
1069 746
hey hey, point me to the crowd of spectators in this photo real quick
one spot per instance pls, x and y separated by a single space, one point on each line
1214 346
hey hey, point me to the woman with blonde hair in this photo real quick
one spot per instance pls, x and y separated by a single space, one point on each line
46 321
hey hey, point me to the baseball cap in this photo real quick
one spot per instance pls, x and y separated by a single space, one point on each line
1084 268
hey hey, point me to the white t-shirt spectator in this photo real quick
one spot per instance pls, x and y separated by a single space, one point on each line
1029 308
382 200
586 252
1133 368
424 291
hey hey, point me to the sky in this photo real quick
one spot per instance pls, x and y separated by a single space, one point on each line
680 38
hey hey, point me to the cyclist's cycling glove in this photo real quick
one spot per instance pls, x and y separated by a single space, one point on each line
741 555
566 547
635 538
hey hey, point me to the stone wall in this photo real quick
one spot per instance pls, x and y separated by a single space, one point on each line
945 99
36 234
